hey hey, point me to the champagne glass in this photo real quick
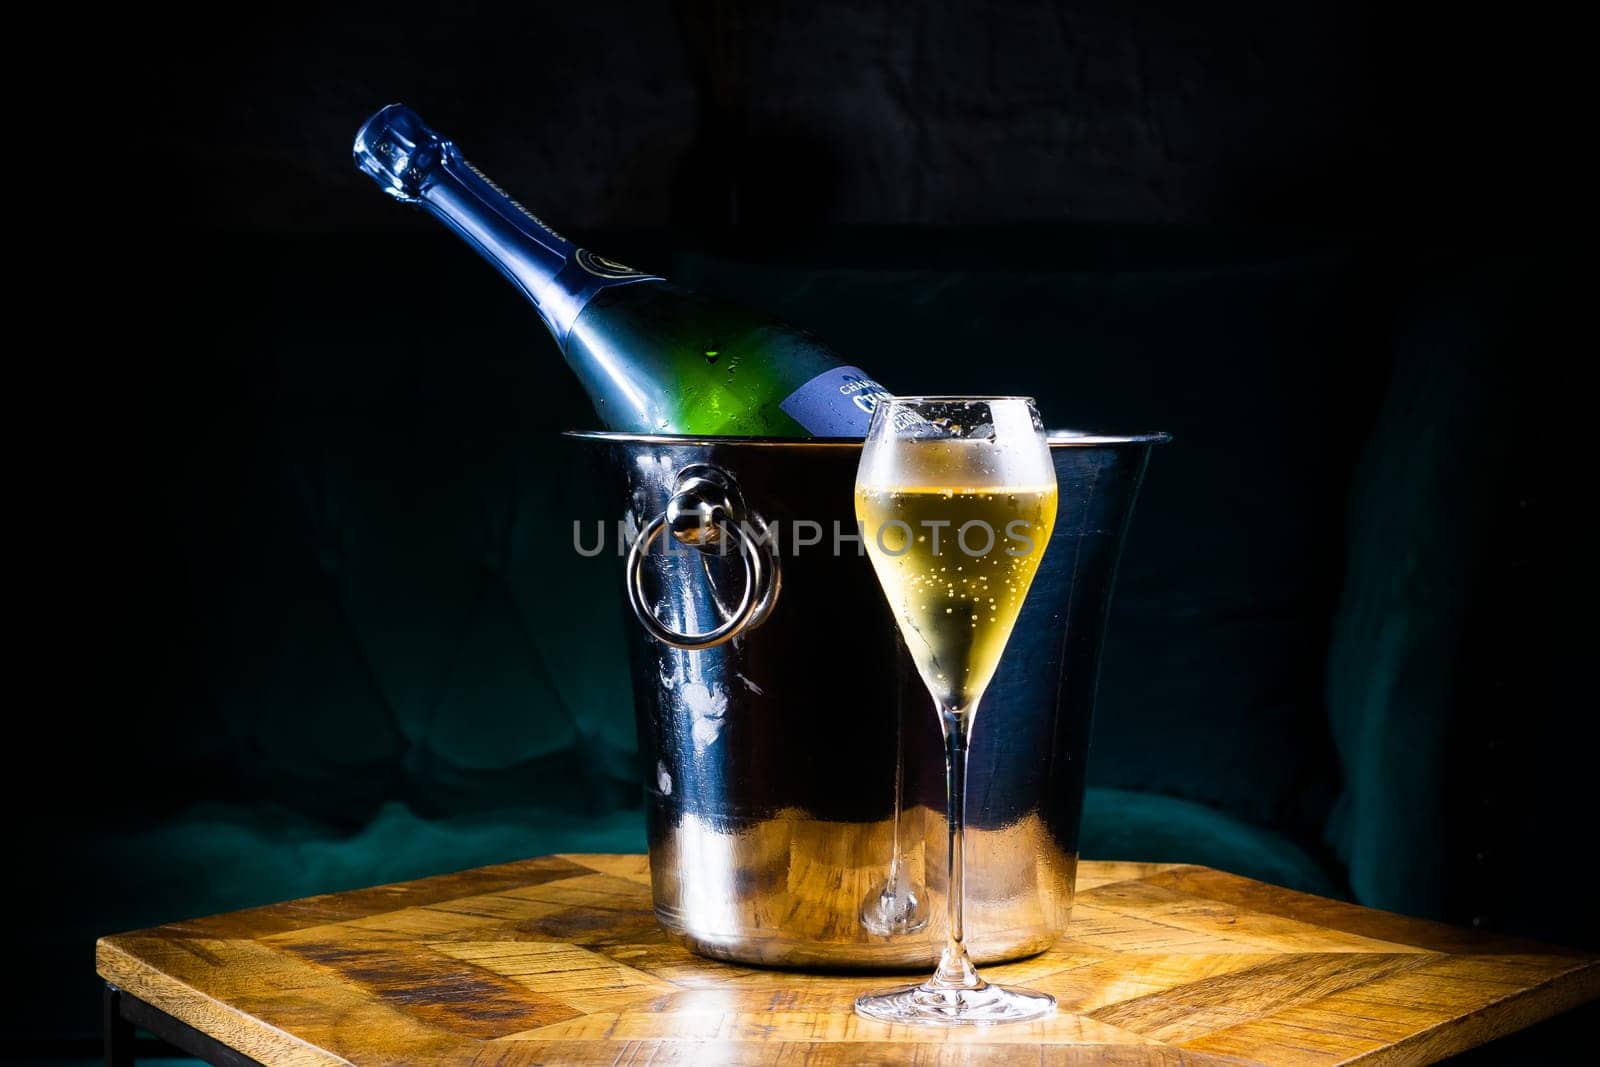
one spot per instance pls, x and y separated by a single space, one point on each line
956 497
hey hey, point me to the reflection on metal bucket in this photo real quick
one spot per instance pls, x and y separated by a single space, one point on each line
775 704
786 890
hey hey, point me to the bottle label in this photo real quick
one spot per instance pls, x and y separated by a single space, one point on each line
610 269
836 403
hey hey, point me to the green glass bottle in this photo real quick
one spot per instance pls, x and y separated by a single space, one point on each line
654 358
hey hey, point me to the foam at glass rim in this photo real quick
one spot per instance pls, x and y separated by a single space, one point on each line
957 464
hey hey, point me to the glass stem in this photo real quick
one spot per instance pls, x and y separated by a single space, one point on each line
899 786
955 968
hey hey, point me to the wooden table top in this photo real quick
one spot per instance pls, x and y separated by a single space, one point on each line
560 960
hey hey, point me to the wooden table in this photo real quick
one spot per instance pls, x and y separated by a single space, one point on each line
560 960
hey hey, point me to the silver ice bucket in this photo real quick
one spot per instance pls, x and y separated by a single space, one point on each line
793 764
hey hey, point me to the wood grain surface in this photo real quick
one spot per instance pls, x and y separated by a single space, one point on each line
559 960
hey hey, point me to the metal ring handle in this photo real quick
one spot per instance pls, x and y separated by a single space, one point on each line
749 555
770 579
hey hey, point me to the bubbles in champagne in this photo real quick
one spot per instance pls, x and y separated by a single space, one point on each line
956 605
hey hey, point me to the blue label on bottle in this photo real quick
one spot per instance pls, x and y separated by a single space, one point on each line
836 403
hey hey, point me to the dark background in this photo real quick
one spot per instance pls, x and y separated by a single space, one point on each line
774 114
1279 171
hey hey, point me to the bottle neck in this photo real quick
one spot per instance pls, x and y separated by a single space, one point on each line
556 276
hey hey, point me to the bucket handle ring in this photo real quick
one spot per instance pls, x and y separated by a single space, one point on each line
705 512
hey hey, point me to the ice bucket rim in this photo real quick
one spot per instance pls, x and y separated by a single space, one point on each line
1058 439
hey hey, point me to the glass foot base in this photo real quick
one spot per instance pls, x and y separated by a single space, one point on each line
890 910
985 1005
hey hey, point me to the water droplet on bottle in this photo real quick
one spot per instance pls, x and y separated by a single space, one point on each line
711 356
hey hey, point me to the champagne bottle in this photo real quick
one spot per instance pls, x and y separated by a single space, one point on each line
653 357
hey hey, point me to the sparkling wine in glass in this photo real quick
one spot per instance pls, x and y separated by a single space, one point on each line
957 498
